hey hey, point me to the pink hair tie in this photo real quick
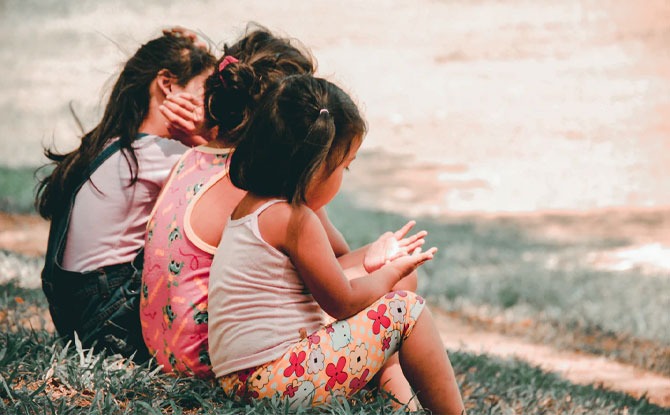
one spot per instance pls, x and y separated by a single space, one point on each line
225 62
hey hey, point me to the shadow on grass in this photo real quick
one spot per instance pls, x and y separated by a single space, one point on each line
517 269
39 375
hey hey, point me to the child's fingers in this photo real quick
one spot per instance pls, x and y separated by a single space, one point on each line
411 239
186 98
400 253
180 111
190 116
400 233
429 254
185 102
175 121
416 244
424 256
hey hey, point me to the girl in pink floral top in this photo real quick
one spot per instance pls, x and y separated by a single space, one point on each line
186 223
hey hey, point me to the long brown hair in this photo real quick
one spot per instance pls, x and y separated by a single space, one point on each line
126 108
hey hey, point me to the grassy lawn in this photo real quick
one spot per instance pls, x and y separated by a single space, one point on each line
40 376
503 269
17 189
509 269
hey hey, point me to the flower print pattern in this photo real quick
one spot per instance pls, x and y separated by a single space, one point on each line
359 383
393 343
358 358
316 361
303 395
341 335
398 309
313 372
259 379
292 388
295 366
314 339
336 373
379 318
386 343
416 309
392 294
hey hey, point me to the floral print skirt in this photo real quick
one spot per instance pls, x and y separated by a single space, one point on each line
337 360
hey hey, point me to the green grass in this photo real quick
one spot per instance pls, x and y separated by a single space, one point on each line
499 265
496 267
505 267
17 189
38 375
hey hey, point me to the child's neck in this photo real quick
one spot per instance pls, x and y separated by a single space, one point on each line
154 124
249 203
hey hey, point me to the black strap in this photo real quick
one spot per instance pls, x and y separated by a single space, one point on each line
59 224
64 222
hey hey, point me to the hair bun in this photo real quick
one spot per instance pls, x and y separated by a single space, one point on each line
229 93
238 76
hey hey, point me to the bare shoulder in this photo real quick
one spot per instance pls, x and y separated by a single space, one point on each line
282 223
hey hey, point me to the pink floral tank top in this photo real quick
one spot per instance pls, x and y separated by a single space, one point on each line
173 305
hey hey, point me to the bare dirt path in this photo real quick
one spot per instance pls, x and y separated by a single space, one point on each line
28 235
580 368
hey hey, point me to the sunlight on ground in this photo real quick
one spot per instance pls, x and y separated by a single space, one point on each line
649 259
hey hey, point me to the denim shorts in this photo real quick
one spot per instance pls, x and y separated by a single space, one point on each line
101 306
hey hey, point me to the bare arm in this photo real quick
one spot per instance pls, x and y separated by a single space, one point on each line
337 241
388 246
307 244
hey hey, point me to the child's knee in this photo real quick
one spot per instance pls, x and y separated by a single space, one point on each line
402 308
405 302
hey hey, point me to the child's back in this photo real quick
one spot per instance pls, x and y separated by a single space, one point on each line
266 304
276 273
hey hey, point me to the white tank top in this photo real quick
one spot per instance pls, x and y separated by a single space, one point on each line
258 304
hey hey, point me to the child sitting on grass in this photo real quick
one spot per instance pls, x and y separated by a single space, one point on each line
99 196
275 272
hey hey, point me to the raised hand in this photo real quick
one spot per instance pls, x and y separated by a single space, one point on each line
392 245
405 264
185 115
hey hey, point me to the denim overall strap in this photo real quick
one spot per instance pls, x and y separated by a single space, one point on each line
60 223
102 305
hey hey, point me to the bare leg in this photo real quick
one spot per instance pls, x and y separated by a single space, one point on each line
393 381
390 377
425 362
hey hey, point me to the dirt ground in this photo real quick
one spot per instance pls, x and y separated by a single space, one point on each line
28 235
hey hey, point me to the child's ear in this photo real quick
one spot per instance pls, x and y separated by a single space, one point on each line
164 80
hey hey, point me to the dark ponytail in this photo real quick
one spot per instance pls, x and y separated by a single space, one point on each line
301 124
